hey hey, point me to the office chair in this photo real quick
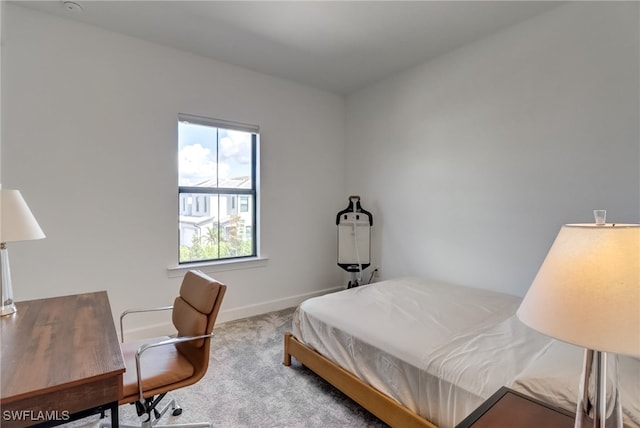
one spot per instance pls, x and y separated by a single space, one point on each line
157 366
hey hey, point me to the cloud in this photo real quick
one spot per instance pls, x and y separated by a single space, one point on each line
196 165
235 147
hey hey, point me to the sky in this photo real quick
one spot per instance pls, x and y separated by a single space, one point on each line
199 145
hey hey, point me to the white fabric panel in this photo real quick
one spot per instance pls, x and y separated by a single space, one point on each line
441 350
468 369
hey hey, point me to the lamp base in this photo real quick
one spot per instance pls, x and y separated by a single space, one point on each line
599 401
7 307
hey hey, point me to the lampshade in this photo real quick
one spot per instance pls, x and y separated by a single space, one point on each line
18 224
587 291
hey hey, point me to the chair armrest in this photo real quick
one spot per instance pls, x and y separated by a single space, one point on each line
134 311
171 341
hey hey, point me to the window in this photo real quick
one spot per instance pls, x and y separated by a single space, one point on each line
244 204
217 165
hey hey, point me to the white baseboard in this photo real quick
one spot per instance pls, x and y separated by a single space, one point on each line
270 306
231 314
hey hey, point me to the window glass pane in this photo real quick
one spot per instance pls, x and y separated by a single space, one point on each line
197 156
198 227
235 159
235 239
218 231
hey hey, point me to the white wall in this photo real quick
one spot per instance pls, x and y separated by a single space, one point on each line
1 44
471 163
91 129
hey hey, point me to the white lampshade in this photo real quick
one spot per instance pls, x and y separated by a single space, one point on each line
587 291
18 224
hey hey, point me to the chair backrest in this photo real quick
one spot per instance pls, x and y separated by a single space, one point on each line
194 314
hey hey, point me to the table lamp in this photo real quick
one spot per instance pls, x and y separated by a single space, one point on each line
587 293
18 224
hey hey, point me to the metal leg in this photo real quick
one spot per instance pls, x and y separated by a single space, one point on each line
354 281
115 419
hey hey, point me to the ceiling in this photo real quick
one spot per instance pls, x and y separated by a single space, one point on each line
339 46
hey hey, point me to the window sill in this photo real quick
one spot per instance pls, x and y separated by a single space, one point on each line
218 266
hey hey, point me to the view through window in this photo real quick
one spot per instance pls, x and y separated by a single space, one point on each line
216 189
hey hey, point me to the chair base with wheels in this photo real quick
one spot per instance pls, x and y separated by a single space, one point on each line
150 416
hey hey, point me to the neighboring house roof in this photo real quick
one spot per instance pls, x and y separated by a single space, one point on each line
196 221
228 183
203 221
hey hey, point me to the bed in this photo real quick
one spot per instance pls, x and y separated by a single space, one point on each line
422 353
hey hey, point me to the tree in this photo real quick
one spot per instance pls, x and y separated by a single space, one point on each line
212 235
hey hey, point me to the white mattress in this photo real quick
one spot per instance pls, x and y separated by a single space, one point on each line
440 350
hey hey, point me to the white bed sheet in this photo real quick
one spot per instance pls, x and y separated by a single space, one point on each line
438 349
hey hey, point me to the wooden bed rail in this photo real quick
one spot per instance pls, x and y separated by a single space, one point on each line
382 406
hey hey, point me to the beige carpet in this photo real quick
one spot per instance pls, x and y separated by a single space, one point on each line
247 385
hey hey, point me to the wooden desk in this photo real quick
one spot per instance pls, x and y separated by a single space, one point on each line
61 360
508 408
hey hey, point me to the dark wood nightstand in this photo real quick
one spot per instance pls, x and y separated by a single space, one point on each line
508 408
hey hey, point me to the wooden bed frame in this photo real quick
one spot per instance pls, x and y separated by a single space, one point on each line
381 405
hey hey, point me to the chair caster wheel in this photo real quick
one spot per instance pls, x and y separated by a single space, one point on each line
177 412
